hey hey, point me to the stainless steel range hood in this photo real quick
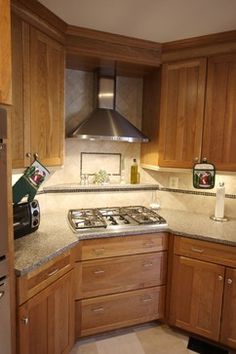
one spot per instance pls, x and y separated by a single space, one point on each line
105 123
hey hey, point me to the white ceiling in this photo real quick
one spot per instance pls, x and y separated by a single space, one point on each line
155 20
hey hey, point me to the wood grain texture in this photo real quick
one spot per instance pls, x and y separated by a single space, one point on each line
37 15
151 117
47 98
219 144
115 311
207 45
120 246
228 330
40 278
5 54
114 275
196 297
182 111
50 320
20 92
206 251
87 42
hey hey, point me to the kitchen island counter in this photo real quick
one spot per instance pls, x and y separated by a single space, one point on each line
55 235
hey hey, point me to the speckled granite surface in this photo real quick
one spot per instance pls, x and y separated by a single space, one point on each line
55 236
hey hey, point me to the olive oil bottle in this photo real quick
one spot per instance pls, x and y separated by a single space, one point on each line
134 175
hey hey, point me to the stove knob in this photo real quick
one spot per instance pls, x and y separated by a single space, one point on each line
35 213
35 222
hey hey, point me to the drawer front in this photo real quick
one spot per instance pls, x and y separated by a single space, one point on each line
108 276
120 310
204 250
121 246
35 281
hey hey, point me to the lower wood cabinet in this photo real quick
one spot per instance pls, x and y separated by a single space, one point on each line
46 321
196 297
203 292
120 281
119 310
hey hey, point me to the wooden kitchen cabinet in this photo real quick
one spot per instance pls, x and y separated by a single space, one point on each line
228 327
196 296
38 96
120 281
45 322
182 112
5 53
219 143
202 289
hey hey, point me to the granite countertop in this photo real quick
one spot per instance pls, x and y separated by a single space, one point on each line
55 236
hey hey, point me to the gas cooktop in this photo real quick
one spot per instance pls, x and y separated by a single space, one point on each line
114 218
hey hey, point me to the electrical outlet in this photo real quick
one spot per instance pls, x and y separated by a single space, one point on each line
173 182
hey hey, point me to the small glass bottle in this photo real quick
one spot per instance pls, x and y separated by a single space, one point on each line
134 172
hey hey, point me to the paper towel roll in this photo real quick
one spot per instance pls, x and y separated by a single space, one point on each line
220 200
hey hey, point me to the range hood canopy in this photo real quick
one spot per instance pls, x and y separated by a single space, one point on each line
105 123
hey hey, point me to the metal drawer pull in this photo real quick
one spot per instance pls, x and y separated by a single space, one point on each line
25 321
2 294
220 277
149 244
98 310
147 299
229 281
99 251
148 264
198 250
99 271
53 272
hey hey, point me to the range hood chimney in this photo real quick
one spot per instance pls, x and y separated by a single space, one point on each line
105 123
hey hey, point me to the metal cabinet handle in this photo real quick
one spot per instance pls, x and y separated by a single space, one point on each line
99 271
98 251
229 281
2 293
148 264
2 143
198 250
220 277
53 272
36 155
25 321
147 299
149 244
28 154
196 159
98 310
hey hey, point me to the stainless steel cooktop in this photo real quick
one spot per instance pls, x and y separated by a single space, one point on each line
114 218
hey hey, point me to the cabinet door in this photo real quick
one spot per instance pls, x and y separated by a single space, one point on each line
182 109
219 143
46 320
47 97
228 328
196 296
20 93
5 53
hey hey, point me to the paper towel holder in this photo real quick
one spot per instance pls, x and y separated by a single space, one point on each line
214 218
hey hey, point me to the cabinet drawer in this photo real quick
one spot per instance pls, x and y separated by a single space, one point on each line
120 246
119 310
204 250
107 276
35 281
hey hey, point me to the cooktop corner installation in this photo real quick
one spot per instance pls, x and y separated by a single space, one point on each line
114 218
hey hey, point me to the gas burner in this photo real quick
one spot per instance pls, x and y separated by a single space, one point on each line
114 218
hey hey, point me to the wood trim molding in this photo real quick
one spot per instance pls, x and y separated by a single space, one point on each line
92 43
223 42
42 18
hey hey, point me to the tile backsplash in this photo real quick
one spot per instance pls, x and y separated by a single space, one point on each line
79 103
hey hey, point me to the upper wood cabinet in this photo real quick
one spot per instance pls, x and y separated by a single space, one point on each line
38 95
5 53
219 143
182 111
